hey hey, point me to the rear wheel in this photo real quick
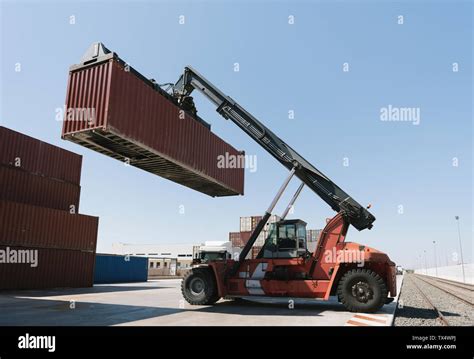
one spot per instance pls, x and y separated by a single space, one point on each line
199 287
362 290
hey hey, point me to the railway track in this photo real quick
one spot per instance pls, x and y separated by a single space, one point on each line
440 315
461 292
450 282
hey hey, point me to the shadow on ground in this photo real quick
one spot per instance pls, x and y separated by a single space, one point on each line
421 313
96 289
21 311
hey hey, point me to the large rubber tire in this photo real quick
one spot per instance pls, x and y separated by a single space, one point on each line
199 287
362 290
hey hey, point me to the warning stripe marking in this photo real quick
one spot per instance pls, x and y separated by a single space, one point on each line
356 323
367 320
358 316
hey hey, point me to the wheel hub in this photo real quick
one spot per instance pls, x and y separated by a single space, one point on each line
362 292
196 286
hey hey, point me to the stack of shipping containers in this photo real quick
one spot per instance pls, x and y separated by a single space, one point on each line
247 226
44 242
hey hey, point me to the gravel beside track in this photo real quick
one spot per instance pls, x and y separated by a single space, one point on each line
415 310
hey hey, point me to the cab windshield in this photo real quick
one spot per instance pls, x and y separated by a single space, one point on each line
287 236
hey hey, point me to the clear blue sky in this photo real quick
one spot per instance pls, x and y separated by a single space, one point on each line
282 67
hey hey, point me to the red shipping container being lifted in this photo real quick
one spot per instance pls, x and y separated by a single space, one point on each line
20 186
33 226
35 156
54 268
114 110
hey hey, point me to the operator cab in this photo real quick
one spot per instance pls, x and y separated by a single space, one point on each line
286 239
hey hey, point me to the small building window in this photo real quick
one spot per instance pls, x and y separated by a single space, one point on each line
166 264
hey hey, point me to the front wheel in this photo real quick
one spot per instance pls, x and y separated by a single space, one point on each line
362 290
199 287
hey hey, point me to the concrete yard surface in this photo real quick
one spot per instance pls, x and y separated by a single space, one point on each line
160 303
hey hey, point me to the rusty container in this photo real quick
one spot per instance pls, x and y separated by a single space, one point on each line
20 186
114 110
33 226
45 268
35 156
239 239
234 238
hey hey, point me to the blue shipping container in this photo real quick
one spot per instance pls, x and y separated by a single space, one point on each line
111 268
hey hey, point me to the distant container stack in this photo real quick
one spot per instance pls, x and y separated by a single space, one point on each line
248 225
44 242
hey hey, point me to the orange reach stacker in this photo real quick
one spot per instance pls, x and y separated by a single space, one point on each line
284 267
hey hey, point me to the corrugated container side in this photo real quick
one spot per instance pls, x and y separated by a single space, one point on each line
35 156
33 226
244 237
240 239
248 224
120 269
254 222
245 224
55 268
87 98
20 186
234 237
133 120
188 141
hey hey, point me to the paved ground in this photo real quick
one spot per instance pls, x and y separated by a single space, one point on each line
159 303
